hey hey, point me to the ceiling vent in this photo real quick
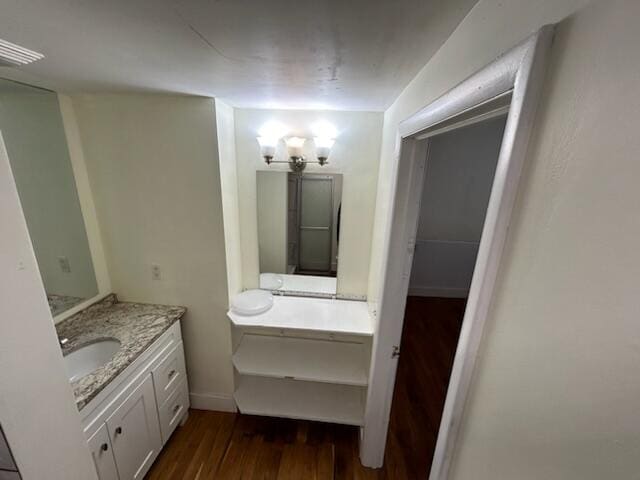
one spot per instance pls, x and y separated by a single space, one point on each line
14 55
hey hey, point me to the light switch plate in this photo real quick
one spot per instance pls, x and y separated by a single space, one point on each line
156 273
65 266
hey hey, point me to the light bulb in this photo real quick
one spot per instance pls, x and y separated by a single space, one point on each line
324 142
272 129
324 129
323 148
294 146
267 147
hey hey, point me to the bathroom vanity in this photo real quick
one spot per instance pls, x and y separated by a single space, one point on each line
304 358
125 361
307 354
130 404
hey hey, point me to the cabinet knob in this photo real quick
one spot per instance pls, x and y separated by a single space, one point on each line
175 409
171 374
118 430
104 447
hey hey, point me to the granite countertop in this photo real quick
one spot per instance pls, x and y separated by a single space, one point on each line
134 325
60 303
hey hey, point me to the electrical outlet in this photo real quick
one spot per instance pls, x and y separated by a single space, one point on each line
156 274
65 266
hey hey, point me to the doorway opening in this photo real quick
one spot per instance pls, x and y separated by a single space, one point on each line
511 85
459 170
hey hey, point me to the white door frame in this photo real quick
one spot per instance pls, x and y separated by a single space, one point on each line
516 76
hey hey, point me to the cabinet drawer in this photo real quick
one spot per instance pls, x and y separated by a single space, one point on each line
169 373
172 411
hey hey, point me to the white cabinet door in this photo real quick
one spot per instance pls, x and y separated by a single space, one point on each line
102 454
135 432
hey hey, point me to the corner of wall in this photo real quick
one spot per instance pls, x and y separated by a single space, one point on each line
85 195
33 377
225 129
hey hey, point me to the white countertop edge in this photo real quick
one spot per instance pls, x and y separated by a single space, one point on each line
312 314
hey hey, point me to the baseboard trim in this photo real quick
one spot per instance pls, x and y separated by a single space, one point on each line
212 401
445 292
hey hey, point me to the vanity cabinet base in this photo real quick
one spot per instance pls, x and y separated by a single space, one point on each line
310 374
289 398
127 426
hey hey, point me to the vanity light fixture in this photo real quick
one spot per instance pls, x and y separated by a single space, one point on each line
296 161
295 145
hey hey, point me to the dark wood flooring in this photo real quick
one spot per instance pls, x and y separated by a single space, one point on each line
429 340
227 446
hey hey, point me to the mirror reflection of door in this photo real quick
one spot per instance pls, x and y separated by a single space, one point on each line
298 230
316 219
293 230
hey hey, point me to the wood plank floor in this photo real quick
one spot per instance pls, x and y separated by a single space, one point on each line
429 340
227 446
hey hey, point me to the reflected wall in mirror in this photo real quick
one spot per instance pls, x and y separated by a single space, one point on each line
299 231
33 133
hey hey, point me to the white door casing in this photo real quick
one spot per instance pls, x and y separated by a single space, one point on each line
517 75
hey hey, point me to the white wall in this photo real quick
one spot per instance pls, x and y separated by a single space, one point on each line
356 155
555 390
37 409
153 166
491 28
225 123
87 204
272 208
35 140
459 175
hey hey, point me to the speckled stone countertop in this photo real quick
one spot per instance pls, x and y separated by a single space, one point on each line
134 325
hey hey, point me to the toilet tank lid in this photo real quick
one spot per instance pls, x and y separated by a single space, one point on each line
252 302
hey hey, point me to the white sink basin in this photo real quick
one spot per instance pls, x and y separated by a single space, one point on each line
86 359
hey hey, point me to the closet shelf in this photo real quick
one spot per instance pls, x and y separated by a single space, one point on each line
322 402
302 359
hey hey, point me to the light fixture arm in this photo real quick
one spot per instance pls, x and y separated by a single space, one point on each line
297 164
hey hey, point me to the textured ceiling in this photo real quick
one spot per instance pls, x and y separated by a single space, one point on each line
346 55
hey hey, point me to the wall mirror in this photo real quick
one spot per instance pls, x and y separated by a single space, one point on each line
33 133
299 231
